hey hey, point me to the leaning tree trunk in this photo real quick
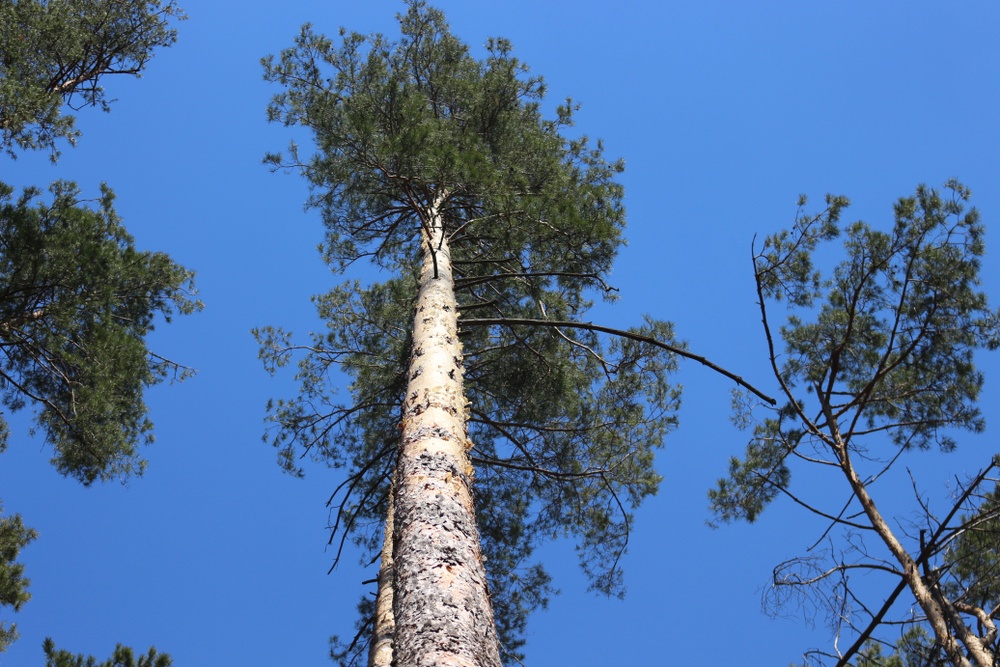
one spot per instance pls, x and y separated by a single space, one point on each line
442 610
949 629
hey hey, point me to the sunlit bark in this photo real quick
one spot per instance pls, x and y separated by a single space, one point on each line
443 614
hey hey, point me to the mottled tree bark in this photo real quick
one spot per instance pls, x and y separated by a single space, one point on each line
442 610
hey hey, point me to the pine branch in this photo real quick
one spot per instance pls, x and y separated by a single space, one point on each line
515 321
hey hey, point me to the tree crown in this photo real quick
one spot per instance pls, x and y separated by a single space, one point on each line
56 52
883 344
76 302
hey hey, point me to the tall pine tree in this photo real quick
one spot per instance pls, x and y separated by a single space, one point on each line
475 380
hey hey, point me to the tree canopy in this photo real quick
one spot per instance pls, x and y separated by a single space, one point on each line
77 298
123 656
77 301
57 53
879 361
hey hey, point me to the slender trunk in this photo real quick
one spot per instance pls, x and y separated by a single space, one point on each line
938 610
443 614
384 625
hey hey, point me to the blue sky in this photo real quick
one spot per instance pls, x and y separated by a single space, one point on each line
724 113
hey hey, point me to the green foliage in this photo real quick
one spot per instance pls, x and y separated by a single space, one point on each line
564 423
756 479
76 302
976 556
888 350
56 52
13 584
395 121
871 656
76 297
122 657
878 361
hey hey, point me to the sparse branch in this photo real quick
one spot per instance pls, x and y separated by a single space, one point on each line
544 472
462 283
514 321
834 519
773 356
840 568
351 483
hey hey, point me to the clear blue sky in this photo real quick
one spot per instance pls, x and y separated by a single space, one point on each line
724 113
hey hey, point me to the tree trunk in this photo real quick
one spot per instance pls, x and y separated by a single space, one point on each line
384 624
935 608
443 614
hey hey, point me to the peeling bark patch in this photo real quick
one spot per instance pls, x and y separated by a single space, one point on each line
438 558
443 398
427 432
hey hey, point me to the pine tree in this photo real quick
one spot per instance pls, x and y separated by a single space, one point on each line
123 656
879 362
475 378
77 298
14 536
57 54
